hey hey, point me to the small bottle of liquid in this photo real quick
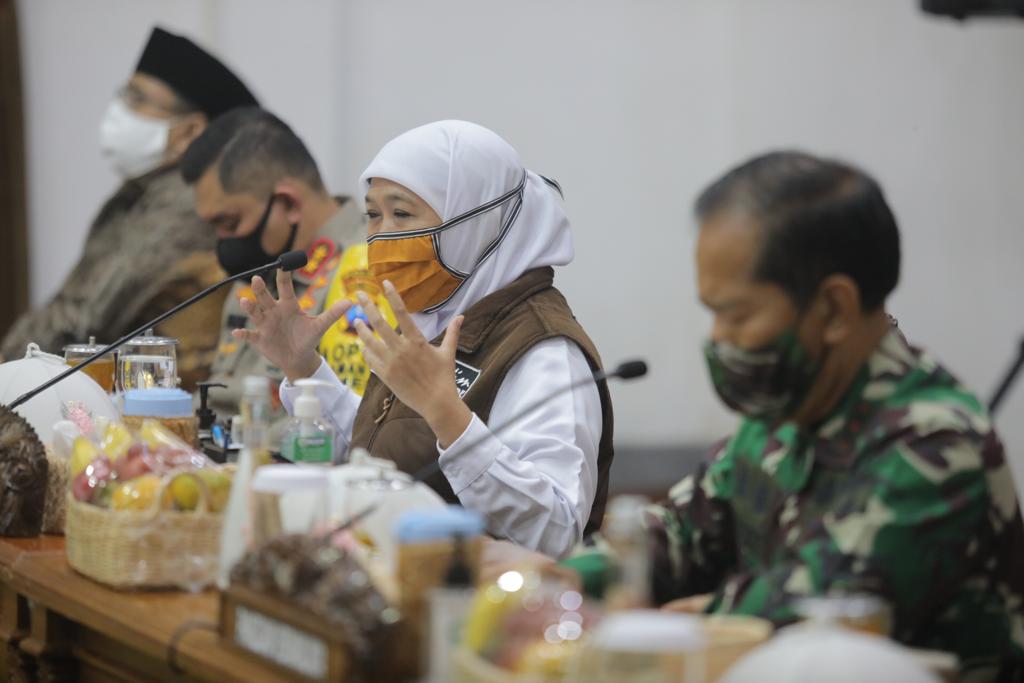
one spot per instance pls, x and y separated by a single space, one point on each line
449 604
255 410
625 532
308 439
237 530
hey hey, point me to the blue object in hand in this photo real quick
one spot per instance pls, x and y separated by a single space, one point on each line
356 313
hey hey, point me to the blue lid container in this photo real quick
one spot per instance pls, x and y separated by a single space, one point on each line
158 402
442 524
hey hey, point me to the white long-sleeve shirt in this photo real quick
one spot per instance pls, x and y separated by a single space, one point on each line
535 481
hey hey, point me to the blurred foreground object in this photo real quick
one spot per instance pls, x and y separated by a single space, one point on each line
962 9
808 653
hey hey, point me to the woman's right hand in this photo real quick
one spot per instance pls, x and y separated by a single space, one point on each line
283 332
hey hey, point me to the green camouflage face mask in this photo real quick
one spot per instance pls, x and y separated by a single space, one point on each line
768 383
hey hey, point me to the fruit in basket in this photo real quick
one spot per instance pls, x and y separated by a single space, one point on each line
93 478
83 452
185 492
218 483
116 441
166 458
182 493
156 435
102 496
134 463
137 494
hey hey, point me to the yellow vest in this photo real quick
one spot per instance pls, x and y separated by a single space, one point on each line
340 346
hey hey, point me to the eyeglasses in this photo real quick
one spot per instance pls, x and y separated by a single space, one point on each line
135 98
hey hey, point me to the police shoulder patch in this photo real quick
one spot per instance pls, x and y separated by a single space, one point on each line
318 255
465 376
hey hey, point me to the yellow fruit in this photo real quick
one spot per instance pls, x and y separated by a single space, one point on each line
154 434
490 605
218 484
184 491
83 452
116 440
136 494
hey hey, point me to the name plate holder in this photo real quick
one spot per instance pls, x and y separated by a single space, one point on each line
298 645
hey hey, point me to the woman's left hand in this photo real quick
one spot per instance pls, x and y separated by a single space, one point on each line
421 375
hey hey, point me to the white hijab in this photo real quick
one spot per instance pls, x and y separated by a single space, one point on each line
456 167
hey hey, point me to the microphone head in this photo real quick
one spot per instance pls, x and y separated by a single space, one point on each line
631 369
292 260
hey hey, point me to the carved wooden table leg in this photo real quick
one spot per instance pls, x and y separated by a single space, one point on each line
49 642
14 625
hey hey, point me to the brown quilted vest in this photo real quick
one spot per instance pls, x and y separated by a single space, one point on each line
496 332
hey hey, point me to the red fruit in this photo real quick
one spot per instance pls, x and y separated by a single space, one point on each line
130 466
90 480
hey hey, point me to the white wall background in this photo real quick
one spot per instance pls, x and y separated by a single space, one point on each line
633 105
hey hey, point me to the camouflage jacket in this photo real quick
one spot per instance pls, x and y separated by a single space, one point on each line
146 251
902 492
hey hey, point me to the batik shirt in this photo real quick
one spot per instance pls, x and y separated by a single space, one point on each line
902 492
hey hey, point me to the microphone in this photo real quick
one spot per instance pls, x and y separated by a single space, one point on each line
288 261
627 370
1008 379
631 369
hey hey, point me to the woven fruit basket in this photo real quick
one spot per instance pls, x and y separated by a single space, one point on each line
153 548
54 507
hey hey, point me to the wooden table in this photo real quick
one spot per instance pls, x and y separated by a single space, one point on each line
56 625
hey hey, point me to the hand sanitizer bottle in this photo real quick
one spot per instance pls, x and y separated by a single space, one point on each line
308 439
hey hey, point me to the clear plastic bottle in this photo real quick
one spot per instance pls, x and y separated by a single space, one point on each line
255 410
308 439
449 604
237 530
625 532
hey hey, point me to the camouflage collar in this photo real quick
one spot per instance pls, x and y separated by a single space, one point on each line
834 443
834 439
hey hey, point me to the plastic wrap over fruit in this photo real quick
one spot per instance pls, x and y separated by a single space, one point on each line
151 468
529 624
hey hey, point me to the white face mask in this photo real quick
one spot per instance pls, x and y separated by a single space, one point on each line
133 144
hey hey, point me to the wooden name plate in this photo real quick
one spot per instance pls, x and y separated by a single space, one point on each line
296 643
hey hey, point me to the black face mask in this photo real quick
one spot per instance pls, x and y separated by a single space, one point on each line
239 254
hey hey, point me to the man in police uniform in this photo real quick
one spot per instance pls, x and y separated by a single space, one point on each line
146 250
259 188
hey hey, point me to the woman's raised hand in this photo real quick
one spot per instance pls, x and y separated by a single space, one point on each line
283 332
420 374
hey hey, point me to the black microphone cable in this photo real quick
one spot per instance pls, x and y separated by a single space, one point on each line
289 261
626 371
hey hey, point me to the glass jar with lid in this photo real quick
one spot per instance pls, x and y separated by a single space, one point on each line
147 362
101 370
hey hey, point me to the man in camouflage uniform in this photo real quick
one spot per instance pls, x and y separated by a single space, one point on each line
146 250
860 464
259 188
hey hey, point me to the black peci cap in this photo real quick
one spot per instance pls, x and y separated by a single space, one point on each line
193 73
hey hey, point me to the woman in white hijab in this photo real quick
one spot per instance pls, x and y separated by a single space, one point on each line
460 231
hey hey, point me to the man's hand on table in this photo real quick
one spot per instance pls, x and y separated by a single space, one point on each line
694 604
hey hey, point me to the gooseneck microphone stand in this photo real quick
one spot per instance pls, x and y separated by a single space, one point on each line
1008 379
288 261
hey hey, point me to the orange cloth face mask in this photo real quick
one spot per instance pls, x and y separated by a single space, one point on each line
413 267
